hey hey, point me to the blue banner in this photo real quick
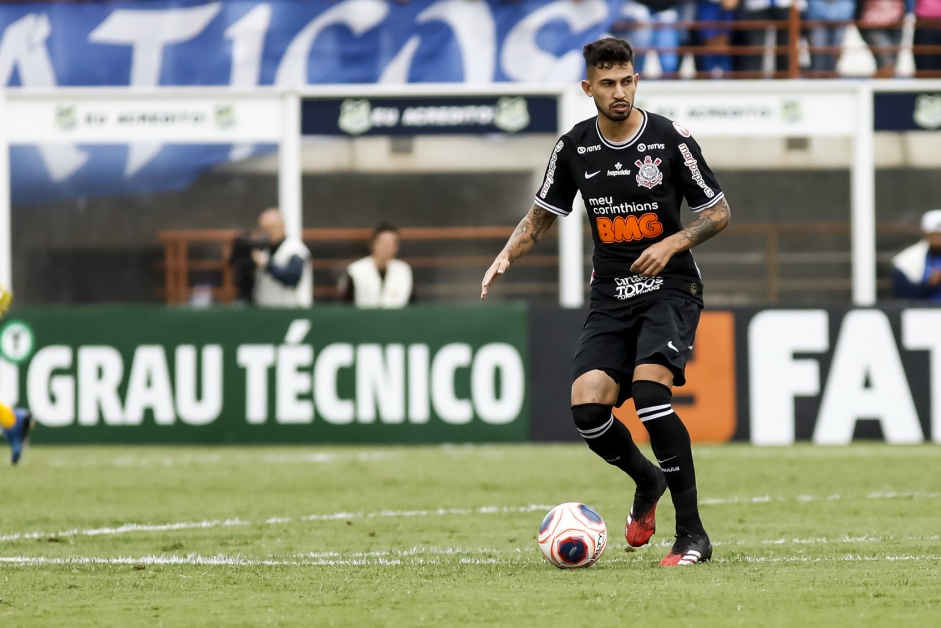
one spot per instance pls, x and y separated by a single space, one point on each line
247 43
907 111
429 116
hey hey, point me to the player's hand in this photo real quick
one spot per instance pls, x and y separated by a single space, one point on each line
934 279
493 273
6 300
653 260
260 257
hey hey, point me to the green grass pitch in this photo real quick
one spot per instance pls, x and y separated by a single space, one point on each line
445 536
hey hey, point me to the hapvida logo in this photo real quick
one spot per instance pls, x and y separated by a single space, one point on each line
618 172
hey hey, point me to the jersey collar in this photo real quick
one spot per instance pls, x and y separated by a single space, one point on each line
627 142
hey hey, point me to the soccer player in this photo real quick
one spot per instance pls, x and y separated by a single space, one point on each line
15 423
633 169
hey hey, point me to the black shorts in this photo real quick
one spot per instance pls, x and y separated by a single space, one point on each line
617 337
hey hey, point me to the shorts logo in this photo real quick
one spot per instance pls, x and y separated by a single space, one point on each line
628 228
588 149
630 287
648 174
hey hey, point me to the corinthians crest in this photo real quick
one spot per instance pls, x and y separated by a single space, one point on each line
648 174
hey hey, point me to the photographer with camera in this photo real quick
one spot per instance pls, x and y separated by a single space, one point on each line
283 274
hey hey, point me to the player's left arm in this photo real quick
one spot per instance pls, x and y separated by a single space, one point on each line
708 223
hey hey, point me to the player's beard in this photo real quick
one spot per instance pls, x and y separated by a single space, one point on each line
617 117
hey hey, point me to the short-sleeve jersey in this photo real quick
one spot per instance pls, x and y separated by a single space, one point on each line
632 191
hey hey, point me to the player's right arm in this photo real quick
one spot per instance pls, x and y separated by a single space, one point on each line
531 228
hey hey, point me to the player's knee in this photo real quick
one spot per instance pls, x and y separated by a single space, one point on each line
651 399
597 386
591 419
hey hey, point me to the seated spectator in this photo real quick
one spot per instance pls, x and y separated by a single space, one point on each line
827 35
880 25
633 25
715 63
378 280
283 275
927 33
761 10
916 271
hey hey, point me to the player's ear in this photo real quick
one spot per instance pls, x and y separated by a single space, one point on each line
586 87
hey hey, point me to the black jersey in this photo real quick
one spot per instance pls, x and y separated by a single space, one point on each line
632 191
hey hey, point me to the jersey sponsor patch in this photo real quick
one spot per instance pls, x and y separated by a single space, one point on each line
628 228
690 162
604 205
648 174
588 149
550 171
682 130
630 287
617 172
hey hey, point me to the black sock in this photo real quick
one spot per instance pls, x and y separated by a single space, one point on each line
670 442
610 439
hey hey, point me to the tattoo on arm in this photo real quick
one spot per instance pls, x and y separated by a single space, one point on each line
709 222
528 233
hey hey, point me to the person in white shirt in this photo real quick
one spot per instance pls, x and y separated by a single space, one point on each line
378 280
283 274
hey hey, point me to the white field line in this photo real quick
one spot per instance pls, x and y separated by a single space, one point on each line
821 540
434 555
807 450
396 559
767 499
383 514
206 459
222 523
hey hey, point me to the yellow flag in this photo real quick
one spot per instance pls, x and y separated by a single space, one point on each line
6 300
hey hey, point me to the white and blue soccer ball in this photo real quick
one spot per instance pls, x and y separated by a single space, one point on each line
572 535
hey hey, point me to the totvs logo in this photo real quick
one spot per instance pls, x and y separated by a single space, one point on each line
628 228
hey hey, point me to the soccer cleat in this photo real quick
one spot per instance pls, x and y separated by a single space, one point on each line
688 549
642 520
17 434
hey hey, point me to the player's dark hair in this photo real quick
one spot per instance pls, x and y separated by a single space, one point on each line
383 227
607 52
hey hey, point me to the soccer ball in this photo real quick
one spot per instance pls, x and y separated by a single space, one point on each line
572 535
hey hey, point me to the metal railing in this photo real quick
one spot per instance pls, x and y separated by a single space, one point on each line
759 268
794 27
